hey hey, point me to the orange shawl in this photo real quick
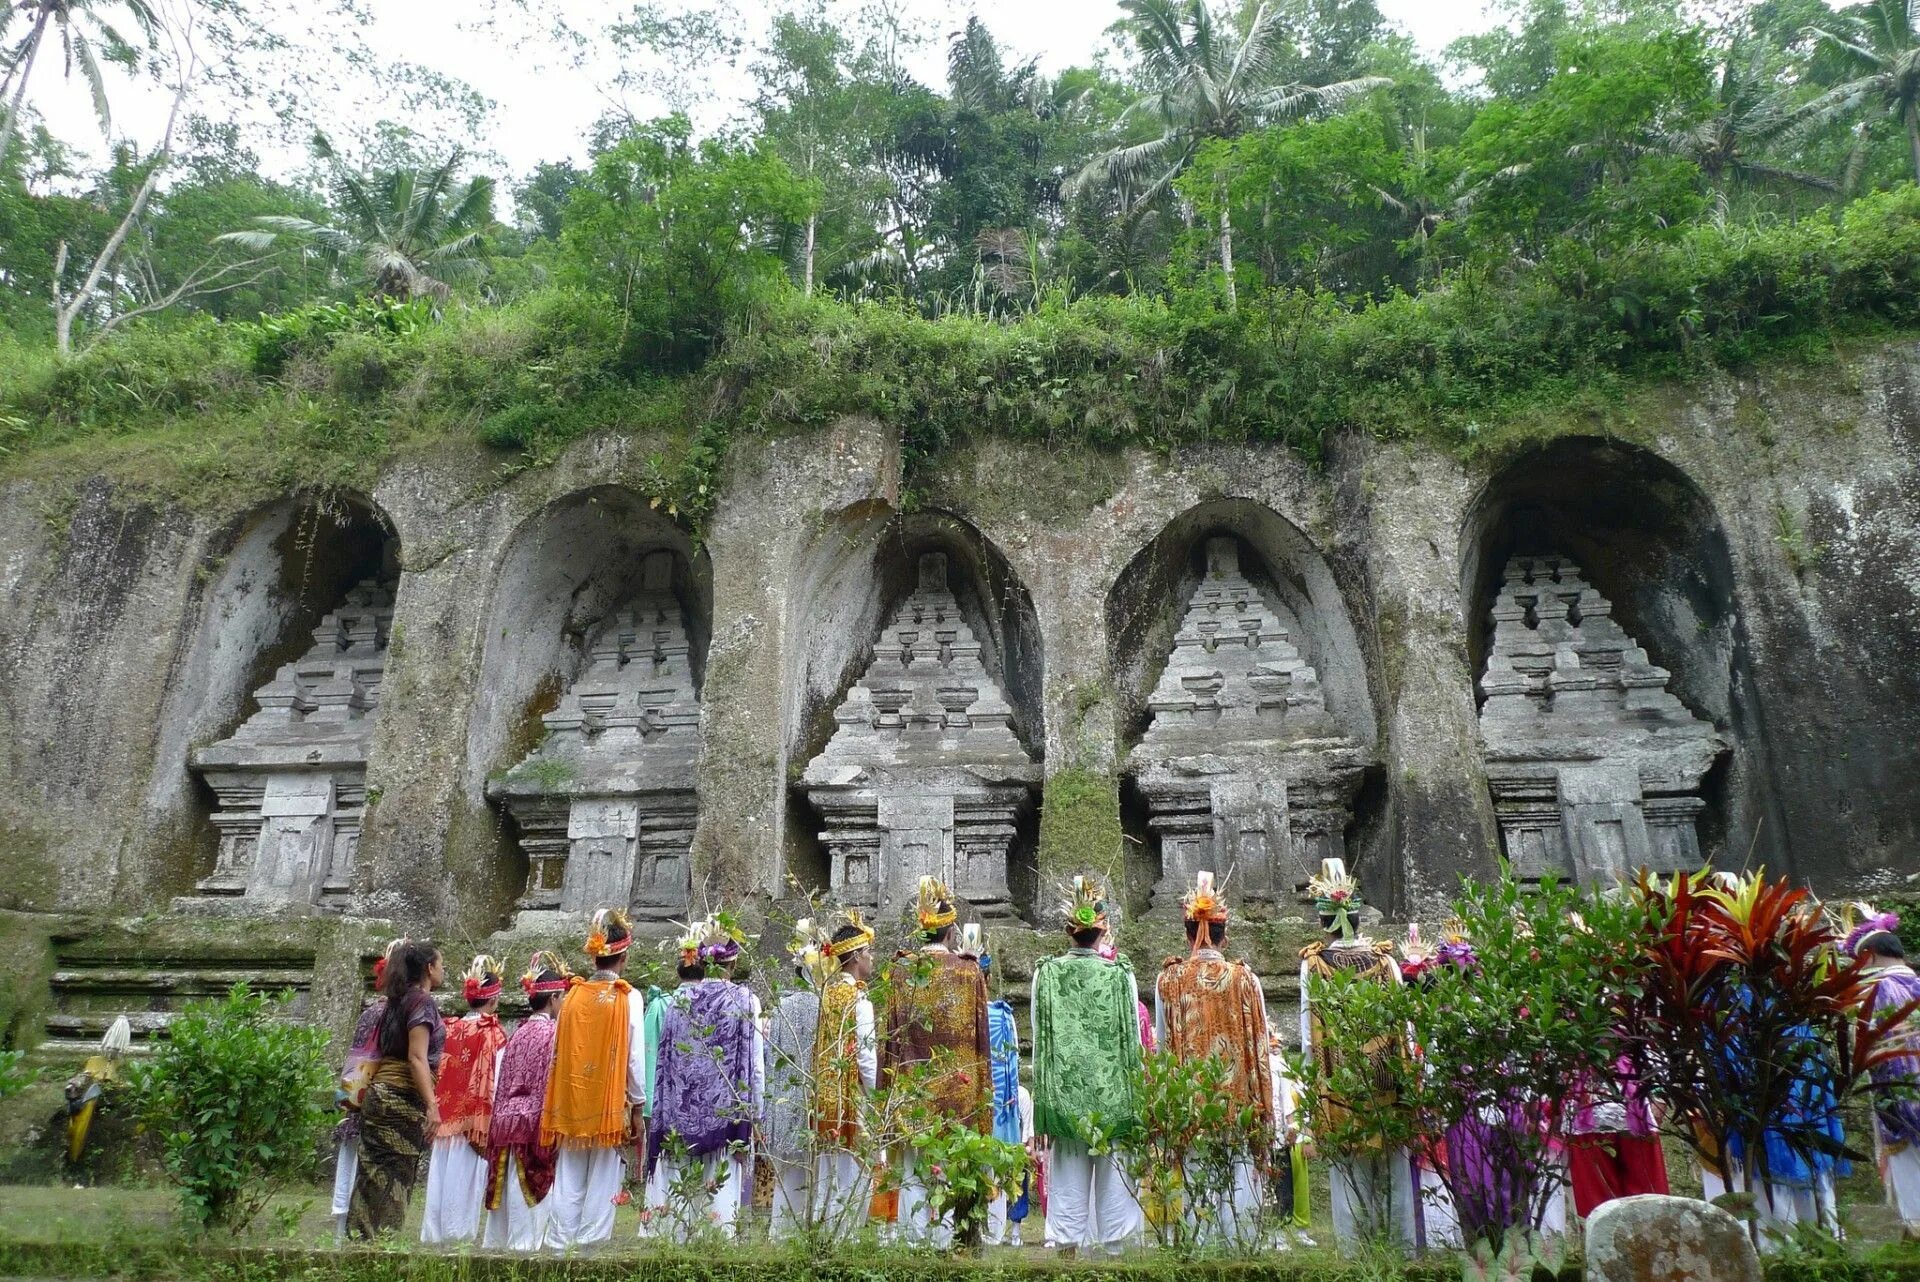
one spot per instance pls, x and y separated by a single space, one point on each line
586 1104
464 1084
1213 1010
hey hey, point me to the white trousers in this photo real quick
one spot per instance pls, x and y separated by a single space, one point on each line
1900 1172
915 1224
456 1192
1088 1201
792 1198
1373 1197
842 1191
1437 1211
1236 1217
516 1225
727 1173
585 1182
346 1168
1777 1205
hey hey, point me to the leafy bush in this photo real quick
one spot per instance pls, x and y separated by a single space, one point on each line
15 1078
239 1098
1180 1163
272 341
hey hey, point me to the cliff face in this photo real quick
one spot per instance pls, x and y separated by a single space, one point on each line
1758 538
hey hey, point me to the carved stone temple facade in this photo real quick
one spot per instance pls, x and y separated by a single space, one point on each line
606 805
1243 768
1595 768
291 781
923 774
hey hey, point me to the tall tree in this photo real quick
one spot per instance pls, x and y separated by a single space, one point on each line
1206 84
80 25
408 233
1882 42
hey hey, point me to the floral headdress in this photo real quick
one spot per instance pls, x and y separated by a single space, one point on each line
483 979
723 938
1455 949
600 942
386 955
1205 902
1086 905
688 941
935 910
541 964
808 951
853 943
1415 952
1871 923
972 943
1336 896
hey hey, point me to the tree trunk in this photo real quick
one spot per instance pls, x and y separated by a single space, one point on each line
1226 256
12 121
808 286
1913 137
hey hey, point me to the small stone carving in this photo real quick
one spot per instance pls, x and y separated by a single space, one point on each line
291 781
606 804
1650 1238
1243 768
1595 767
923 774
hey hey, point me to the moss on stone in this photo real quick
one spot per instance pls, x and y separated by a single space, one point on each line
1080 828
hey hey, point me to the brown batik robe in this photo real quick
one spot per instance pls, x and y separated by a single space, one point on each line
937 1010
1213 1009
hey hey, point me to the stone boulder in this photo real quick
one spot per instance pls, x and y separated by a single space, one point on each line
1668 1239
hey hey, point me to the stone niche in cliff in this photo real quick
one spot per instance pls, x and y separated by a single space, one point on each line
605 804
1243 767
291 781
1595 767
924 774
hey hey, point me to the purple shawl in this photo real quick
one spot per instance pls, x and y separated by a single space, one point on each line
359 1051
1899 1118
520 1090
704 1087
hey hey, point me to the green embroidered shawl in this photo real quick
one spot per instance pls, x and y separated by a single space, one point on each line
1086 1046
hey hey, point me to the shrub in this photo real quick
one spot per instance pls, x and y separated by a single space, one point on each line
13 1077
238 1098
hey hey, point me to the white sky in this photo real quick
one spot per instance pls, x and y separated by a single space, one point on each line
544 105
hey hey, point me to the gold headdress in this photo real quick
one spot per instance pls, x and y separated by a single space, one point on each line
544 963
853 943
936 910
970 939
1336 896
808 949
607 923
483 979
1086 905
1204 902
688 941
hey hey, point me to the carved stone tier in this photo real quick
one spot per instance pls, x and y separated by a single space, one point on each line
291 781
606 804
1595 768
923 775
1243 768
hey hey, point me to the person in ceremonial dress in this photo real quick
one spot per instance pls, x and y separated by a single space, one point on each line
400 1111
519 1166
592 1110
1373 1190
1896 1131
1086 1058
937 1015
457 1172
711 1083
1003 1043
792 1027
1207 1007
846 1070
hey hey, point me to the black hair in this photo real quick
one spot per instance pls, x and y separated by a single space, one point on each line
842 935
693 970
1215 936
538 1002
406 971
616 934
1086 936
940 934
1884 942
490 977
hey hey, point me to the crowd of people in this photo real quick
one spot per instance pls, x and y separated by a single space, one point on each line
528 1136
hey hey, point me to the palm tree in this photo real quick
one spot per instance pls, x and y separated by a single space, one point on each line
1748 113
411 232
80 27
1884 46
1204 85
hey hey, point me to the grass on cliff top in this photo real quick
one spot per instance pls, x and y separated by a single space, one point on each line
219 415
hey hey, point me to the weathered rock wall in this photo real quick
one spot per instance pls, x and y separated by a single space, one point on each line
1760 536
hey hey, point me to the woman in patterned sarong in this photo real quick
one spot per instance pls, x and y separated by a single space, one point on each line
399 1112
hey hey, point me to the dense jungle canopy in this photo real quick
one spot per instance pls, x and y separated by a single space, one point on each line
1267 218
